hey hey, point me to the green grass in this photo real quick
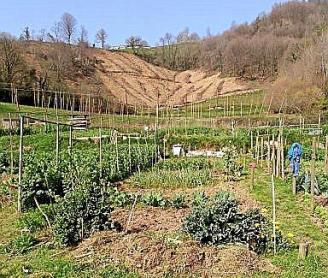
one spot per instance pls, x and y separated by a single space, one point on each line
294 215
45 261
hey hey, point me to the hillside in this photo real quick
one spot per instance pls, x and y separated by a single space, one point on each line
131 79
120 77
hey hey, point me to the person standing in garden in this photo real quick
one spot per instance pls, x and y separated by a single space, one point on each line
294 155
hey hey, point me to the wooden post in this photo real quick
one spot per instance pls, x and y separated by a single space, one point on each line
294 185
252 144
273 157
57 143
262 151
70 139
282 158
268 154
130 158
274 214
20 163
303 250
11 146
326 155
257 147
100 147
313 157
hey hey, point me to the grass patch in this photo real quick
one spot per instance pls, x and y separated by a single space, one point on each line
294 216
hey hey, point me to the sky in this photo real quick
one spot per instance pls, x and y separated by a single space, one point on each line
149 19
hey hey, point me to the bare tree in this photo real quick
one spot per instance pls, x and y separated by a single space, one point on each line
101 37
83 38
42 35
135 42
10 58
54 34
26 34
68 27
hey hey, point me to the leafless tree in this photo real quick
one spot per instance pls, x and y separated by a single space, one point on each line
26 34
83 38
135 42
68 27
42 35
54 34
10 58
101 37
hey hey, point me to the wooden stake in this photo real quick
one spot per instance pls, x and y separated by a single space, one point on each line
20 163
274 214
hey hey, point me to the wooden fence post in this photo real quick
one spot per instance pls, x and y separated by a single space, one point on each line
274 214
20 163
313 157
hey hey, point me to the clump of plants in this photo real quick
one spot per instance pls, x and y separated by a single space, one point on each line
216 220
154 200
21 244
172 179
82 212
232 169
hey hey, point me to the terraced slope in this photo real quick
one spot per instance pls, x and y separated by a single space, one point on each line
135 81
125 78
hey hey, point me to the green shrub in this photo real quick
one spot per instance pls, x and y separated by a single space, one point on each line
21 244
4 162
154 200
322 213
46 181
33 220
232 169
217 221
120 199
82 212
178 201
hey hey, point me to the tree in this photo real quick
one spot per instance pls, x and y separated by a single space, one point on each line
42 35
54 34
26 34
135 42
10 58
68 27
83 38
101 37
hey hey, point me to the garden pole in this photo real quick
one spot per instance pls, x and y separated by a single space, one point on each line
130 162
11 146
326 155
70 140
294 185
100 147
268 153
273 215
20 164
313 170
262 152
57 143
282 158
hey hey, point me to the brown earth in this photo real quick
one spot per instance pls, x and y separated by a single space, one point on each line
153 243
125 78
132 79
154 246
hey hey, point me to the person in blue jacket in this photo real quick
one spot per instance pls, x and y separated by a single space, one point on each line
294 155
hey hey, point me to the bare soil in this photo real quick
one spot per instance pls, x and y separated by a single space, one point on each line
154 245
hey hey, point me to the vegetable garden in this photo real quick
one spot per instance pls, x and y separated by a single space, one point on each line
103 203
